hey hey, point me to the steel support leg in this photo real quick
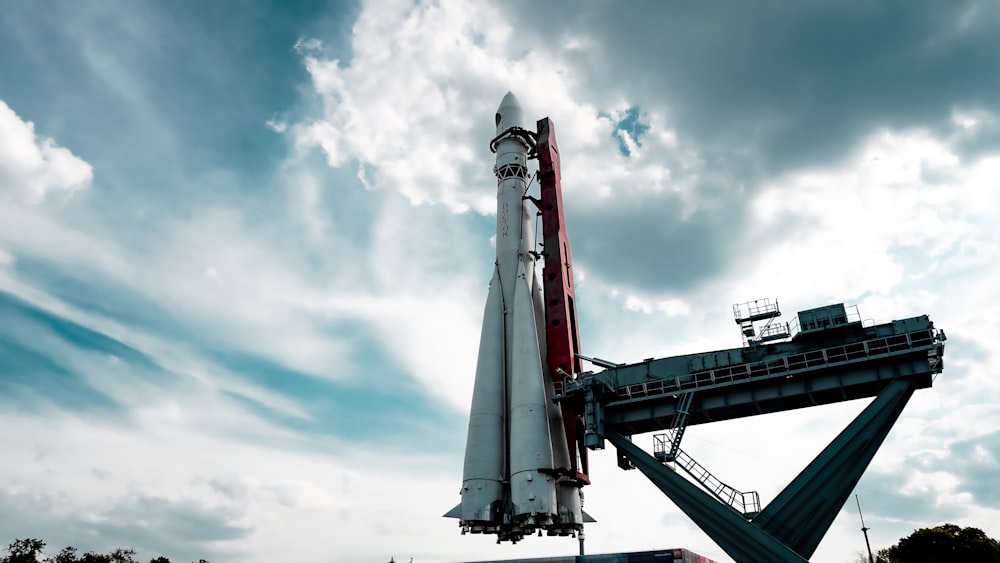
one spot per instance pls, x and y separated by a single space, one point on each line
803 512
790 528
737 537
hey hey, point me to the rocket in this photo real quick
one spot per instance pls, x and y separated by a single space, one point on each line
516 477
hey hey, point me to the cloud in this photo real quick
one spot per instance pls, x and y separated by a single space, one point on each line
208 269
403 137
33 167
164 525
177 486
785 86
971 462
730 133
897 212
420 92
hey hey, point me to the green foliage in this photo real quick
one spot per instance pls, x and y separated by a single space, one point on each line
24 551
123 556
31 551
947 542
67 555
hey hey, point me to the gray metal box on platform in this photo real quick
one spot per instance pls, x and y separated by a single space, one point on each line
822 318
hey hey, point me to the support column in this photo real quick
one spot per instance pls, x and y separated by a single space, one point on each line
802 513
737 537
790 528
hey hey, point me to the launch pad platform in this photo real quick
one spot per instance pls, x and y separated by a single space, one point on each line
675 555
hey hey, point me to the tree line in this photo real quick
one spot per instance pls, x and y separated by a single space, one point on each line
946 542
33 551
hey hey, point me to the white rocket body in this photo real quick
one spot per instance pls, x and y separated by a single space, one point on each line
509 482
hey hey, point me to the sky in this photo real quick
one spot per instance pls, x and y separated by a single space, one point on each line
245 248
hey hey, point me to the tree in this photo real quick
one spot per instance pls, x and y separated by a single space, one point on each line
121 555
67 555
24 551
31 551
947 542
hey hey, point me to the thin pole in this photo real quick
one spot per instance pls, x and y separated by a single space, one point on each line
864 530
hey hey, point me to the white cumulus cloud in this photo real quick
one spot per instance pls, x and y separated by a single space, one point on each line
34 166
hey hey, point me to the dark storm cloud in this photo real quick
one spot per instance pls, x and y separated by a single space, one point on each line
798 83
983 141
651 241
756 90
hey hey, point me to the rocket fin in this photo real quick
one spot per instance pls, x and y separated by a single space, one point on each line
486 449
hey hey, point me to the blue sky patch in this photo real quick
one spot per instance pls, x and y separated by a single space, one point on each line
629 129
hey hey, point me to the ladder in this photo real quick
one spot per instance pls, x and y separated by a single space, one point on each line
679 424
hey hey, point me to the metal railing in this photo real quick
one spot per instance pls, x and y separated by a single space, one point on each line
755 310
792 364
746 503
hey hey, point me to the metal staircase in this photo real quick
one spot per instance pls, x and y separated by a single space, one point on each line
746 503
667 449
679 425
746 314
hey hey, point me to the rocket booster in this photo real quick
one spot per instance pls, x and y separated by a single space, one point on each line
516 455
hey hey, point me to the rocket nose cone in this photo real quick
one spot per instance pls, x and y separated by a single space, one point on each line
509 113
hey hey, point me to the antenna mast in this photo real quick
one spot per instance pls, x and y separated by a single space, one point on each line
864 530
